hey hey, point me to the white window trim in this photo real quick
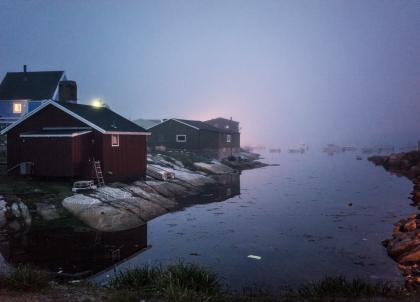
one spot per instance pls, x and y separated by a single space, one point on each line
118 140
228 138
181 141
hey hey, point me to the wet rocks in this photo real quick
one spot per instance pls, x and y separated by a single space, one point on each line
378 160
215 167
404 247
47 211
121 206
14 216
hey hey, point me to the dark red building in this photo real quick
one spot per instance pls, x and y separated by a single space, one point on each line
61 139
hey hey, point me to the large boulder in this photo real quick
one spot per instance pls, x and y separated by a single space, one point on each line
215 167
47 210
412 257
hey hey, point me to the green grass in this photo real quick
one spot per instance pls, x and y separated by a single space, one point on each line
139 279
25 278
340 287
124 296
190 282
33 188
178 282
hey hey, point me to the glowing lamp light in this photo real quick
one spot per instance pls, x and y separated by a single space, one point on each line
97 103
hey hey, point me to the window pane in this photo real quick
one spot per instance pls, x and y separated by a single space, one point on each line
115 140
17 108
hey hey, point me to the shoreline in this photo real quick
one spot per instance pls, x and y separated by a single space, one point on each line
404 245
29 206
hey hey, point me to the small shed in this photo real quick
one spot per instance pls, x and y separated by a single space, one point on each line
64 140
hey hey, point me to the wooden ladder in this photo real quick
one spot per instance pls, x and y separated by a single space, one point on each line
98 172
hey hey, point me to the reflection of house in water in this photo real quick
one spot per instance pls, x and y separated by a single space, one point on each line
73 251
229 185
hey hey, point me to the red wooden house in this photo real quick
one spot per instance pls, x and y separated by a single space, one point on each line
61 139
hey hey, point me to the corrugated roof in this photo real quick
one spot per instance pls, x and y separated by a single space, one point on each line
30 85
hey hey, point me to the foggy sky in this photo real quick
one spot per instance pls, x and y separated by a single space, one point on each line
290 71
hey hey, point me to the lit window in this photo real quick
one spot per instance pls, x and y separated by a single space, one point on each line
17 107
115 140
181 138
228 138
227 126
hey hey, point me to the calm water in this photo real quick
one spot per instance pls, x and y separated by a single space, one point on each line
296 216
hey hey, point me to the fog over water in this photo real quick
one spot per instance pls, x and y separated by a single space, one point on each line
290 71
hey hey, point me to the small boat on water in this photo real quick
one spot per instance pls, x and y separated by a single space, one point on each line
348 148
296 150
274 150
332 148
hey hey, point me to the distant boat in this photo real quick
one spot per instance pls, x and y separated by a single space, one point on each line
349 148
275 150
296 150
331 148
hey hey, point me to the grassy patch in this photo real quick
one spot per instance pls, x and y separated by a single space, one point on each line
33 188
179 282
139 279
124 296
340 287
25 278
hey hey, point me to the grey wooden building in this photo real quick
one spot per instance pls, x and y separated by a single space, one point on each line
196 136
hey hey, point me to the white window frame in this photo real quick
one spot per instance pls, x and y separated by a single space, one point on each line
178 140
112 140
228 138
14 108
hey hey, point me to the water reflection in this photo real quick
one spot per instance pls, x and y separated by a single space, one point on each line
312 216
72 251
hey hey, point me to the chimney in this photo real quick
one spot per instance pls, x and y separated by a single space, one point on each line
67 92
24 68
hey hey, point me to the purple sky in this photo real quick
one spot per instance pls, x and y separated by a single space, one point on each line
290 71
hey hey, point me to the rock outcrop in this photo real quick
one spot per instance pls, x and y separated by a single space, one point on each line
404 246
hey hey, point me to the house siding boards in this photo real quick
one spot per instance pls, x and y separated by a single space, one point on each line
115 160
73 156
209 141
50 156
227 127
28 88
165 134
225 124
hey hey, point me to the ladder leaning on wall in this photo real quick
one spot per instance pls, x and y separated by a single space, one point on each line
98 173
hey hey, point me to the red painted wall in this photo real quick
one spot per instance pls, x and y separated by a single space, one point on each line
72 157
49 155
128 160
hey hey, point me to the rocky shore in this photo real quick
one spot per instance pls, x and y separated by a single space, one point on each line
30 207
404 246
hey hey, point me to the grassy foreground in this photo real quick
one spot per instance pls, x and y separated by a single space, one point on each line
183 282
